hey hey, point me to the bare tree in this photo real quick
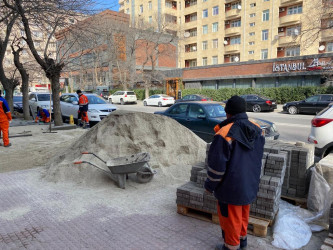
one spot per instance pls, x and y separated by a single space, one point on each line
48 16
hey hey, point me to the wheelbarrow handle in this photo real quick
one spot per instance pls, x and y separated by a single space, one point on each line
78 162
89 153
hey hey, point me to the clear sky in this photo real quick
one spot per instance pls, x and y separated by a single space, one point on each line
107 4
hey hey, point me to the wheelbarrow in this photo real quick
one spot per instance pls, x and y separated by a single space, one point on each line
122 166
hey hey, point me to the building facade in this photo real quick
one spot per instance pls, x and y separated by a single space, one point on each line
216 32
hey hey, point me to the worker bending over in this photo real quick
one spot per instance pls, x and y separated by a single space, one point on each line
5 118
43 115
234 166
83 109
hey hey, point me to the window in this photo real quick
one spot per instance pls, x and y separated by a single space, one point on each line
193 32
215 10
251 52
235 23
252 33
127 11
22 32
330 24
252 14
193 63
215 43
252 24
294 10
326 98
264 35
36 44
205 29
179 110
214 60
195 110
293 31
252 5
204 45
266 0
205 13
235 40
265 15
251 43
234 58
295 51
264 54
330 47
141 8
235 5
37 34
150 19
204 61
215 27
149 5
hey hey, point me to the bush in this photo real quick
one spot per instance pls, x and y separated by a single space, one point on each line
280 95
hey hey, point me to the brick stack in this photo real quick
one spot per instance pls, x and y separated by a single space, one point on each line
267 202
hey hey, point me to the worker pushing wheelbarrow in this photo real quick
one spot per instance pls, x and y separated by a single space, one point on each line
122 166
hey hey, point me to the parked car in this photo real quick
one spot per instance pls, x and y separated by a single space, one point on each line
188 98
98 108
159 100
39 100
257 103
18 103
202 117
322 132
123 97
104 94
310 105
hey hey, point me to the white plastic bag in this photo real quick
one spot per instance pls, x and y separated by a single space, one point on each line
290 230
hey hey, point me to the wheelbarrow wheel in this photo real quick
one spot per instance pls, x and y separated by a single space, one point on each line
145 174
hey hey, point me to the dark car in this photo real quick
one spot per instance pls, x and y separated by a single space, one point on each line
202 117
191 98
104 94
18 103
311 105
257 103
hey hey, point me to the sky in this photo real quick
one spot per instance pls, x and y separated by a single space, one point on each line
107 4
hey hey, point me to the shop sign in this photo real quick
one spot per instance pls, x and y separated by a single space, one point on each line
316 64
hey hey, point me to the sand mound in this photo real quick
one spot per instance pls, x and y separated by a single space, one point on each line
173 148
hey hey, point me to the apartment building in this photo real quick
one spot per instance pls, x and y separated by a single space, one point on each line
216 32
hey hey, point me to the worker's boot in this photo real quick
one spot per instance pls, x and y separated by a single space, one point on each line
243 243
221 247
8 145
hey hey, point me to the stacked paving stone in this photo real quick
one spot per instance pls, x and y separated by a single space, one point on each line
267 202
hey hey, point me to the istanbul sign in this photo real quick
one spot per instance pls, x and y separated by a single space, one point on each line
316 64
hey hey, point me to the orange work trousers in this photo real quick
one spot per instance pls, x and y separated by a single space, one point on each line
233 221
45 119
84 116
4 126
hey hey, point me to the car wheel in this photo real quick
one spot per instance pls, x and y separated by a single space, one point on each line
256 108
122 102
144 103
64 119
159 104
292 110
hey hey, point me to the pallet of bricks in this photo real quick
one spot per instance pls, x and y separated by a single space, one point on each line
192 200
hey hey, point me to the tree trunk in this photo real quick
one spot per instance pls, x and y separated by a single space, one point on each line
25 100
9 96
56 101
146 89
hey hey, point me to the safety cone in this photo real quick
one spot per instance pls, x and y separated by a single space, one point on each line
71 120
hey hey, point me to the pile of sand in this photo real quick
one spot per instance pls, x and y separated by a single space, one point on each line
172 147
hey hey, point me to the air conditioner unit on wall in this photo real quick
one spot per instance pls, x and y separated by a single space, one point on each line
280 49
281 29
282 9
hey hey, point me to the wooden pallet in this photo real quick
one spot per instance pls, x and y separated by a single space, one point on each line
328 243
302 202
257 226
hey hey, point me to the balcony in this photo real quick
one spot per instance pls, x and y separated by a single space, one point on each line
233 31
289 40
290 19
289 2
190 24
326 34
190 9
170 11
232 48
232 13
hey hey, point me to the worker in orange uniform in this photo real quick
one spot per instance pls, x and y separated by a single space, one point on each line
83 109
234 166
43 115
5 119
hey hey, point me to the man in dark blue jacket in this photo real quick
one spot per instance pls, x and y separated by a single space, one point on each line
234 165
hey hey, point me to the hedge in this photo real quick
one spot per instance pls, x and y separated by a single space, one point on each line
280 95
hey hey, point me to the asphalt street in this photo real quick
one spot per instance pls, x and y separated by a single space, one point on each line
291 127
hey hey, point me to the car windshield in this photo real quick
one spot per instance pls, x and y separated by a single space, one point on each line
17 99
215 110
264 97
94 99
43 97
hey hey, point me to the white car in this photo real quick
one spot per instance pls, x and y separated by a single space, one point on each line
39 100
159 100
97 110
322 132
123 97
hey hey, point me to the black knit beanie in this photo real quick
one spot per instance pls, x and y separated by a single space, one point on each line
235 105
